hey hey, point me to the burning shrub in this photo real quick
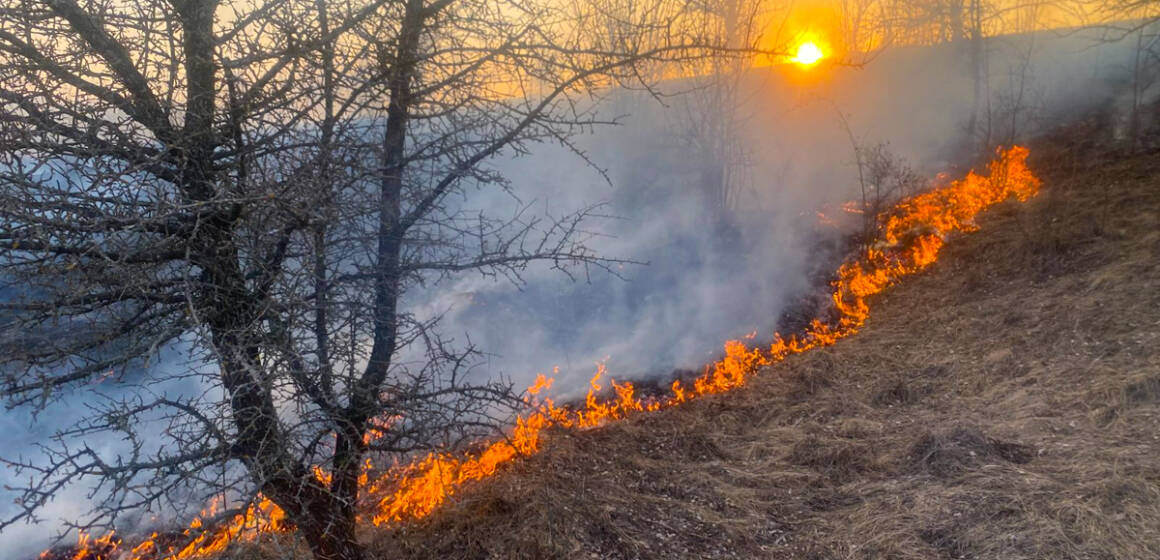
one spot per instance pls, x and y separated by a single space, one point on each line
884 179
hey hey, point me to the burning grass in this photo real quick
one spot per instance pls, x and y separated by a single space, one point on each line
912 235
1003 405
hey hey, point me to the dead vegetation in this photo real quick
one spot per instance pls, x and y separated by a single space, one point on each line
1003 405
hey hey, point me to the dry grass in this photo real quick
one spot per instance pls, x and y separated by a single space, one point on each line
1003 405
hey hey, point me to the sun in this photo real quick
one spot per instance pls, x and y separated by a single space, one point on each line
808 53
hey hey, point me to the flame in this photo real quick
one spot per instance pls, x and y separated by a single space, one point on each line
808 53
89 548
912 234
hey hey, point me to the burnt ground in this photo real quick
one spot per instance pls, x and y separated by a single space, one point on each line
1003 404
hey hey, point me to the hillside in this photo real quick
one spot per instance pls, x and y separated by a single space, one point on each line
1003 404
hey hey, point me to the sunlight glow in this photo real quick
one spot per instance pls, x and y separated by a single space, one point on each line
808 53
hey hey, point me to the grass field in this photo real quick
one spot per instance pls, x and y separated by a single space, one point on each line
1003 404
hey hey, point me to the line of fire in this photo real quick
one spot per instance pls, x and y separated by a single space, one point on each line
316 278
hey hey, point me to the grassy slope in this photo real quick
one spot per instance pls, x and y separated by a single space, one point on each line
1005 404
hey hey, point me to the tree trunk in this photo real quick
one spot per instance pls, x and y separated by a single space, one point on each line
330 534
390 235
979 134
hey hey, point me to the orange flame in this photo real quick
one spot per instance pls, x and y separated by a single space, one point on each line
913 233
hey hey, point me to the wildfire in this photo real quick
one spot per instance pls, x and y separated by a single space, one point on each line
911 235
808 53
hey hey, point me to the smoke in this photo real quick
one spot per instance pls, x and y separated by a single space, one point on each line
710 273
68 420
709 279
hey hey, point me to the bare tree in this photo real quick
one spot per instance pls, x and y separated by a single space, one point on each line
711 121
865 26
1144 74
262 183
884 178
1134 21
966 25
